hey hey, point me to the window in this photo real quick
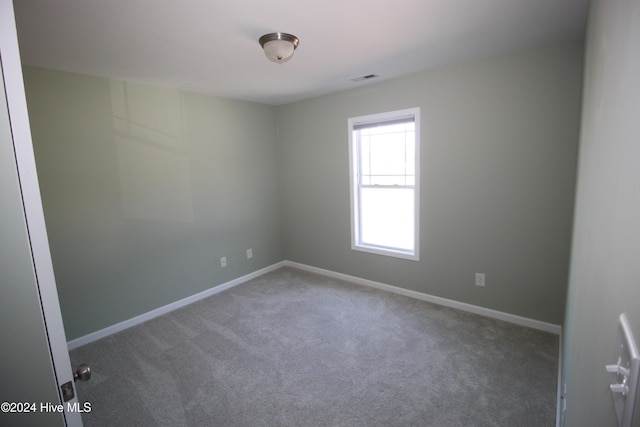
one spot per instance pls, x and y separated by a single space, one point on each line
384 166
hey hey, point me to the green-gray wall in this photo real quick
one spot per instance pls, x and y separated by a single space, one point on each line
604 279
145 189
498 157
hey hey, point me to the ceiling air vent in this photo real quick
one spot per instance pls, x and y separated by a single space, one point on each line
367 77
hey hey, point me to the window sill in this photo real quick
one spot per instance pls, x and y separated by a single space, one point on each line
394 253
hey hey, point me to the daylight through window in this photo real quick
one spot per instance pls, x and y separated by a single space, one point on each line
384 183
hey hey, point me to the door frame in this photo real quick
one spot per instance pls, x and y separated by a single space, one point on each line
34 215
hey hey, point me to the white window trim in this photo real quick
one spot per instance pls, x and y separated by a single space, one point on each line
353 171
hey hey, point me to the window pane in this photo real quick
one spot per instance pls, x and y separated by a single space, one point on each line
386 217
365 155
388 154
410 152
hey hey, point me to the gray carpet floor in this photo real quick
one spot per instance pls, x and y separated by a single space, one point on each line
291 348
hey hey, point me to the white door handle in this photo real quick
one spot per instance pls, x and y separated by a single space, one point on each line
617 369
619 388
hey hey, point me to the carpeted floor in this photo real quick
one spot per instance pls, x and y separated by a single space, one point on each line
292 348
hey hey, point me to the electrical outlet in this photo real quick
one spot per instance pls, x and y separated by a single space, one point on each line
223 261
249 253
479 279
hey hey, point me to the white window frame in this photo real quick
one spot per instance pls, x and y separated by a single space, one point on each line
355 185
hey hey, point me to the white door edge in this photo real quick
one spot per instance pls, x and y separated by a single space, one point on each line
25 159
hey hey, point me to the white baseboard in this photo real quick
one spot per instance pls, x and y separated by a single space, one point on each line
94 336
487 312
512 318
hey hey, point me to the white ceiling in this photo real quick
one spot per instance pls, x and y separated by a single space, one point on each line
211 46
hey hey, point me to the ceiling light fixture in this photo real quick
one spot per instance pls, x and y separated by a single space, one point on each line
279 47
